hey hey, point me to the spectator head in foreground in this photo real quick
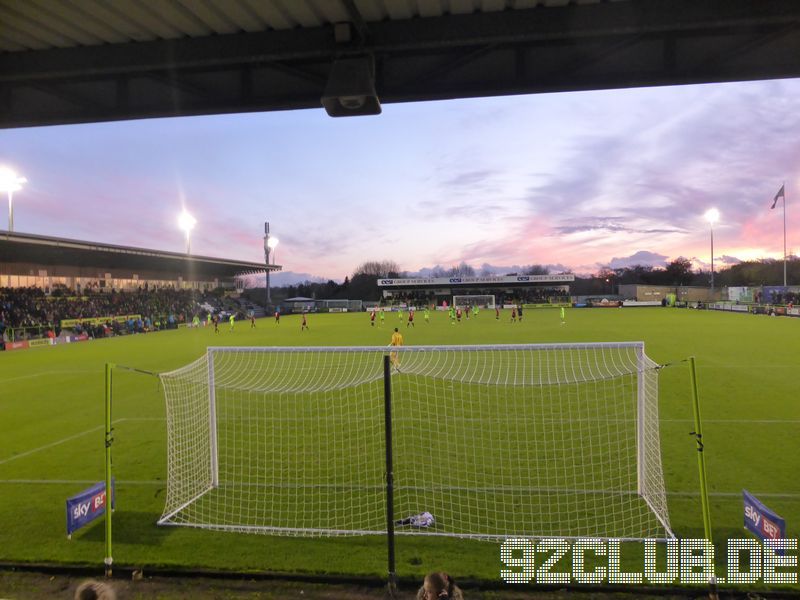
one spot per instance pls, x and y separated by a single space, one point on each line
94 590
439 586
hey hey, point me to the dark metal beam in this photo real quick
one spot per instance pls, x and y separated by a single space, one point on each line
173 80
213 51
478 29
449 66
357 20
575 47
756 42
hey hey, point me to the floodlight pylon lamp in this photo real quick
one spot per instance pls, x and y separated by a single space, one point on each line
186 222
272 242
712 215
10 181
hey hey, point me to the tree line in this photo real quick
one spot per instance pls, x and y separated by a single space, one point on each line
679 272
362 283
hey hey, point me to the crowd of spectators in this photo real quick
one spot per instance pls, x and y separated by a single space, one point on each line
782 298
30 310
532 295
418 298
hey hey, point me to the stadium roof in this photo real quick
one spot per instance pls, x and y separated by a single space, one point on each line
44 250
91 60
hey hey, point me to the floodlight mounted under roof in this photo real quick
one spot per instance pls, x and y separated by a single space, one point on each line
350 90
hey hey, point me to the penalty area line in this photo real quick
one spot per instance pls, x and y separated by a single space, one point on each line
58 442
45 373
76 482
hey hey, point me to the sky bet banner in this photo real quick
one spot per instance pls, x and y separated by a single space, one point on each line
85 507
760 520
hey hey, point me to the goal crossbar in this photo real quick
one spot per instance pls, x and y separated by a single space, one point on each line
430 348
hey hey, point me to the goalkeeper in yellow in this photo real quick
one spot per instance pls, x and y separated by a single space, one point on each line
397 340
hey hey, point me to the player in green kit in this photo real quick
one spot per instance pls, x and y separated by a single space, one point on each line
208 320
232 318
195 321
452 315
563 316
427 315
383 316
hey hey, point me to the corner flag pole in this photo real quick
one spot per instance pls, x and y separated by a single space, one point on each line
701 460
701 466
109 439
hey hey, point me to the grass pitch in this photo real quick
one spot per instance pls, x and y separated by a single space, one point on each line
51 435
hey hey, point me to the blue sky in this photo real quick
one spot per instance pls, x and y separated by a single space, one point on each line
577 181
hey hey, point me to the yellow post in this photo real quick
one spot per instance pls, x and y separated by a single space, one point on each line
109 439
701 467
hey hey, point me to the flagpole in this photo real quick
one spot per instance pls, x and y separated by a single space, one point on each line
784 233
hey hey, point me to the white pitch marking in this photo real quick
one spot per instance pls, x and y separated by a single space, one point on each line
51 373
52 444
76 482
58 442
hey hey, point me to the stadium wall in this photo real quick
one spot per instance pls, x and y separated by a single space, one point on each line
684 293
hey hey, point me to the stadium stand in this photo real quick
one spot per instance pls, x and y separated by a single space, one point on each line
28 313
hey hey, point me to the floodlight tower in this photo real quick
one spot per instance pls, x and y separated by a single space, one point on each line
712 216
10 182
187 222
270 244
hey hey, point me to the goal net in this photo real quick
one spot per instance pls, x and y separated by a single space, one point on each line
481 301
493 441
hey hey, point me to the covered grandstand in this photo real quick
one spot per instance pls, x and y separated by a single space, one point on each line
513 288
37 261
55 289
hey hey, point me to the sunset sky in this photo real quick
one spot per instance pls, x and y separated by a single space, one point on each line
576 180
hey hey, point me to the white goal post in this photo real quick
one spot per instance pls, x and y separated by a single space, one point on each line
470 300
540 440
